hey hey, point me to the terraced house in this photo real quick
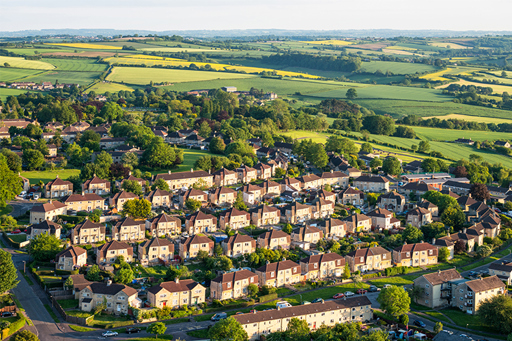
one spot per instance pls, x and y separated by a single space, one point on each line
307 234
223 196
234 218
265 215
118 297
200 222
295 213
419 254
279 274
109 252
128 229
369 259
369 183
84 202
189 247
87 232
176 294
159 198
323 266
195 194
186 179
335 178
58 188
155 251
96 186
232 284
333 228
238 245
163 225
274 240
225 177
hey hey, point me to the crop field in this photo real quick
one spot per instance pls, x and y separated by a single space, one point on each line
183 49
71 77
22 63
102 87
82 64
474 118
89 46
499 89
441 134
4 92
397 67
449 45
12 74
438 76
329 42
399 52
30 51
457 151
390 92
504 81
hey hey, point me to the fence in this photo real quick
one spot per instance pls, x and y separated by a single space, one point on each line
61 294
9 308
83 321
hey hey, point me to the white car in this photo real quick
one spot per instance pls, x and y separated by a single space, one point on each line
109 333
283 304
349 293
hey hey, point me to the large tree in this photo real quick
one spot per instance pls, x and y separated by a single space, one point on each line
137 208
44 247
157 328
454 217
193 204
132 186
228 330
392 166
317 155
33 159
496 312
13 160
10 183
394 300
217 145
298 330
8 275
479 192
159 155
412 234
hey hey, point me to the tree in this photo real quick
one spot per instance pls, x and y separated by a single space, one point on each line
13 160
124 276
424 146
394 300
24 335
228 330
253 289
225 263
137 208
351 94
111 111
412 234
159 155
356 279
33 159
69 283
453 216
433 230
443 254
161 184
366 147
392 166
172 273
438 327
193 204
217 145
8 275
44 247
10 183
118 171
479 192
298 330
288 228
346 272
316 155
157 328
416 292
376 162
132 186
239 203
93 274
404 319
204 130
90 139
483 251
496 312
459 247
130 160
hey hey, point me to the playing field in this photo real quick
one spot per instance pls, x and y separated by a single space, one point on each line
82 64
18 62
390 92
397 67
474 118
12 74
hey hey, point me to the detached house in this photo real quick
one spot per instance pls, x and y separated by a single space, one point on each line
234 218
176 294
155 251
232 285
225 177
238 245
58 188
193 194
163 225
109 252
368 183
119 297
351 196
274 239
200 222
323 266
71 259
96 186
419 217
128 229
369 259
308 234
414 255
223 196
279 274
87 232
333 228
189 247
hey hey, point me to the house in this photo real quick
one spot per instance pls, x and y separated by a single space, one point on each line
335 178
274 240
111 142
502 269
71 259
425 176
246 174
232 285
265 152
464 141
437 291
351 196
186 179
323 266
328 313
96 186
333 228
46 226
369 259
504 144
252 194
279 274
163 225
310 181
415 255
469 295
417 188
470 240
118 297
109 252
195 194
270 188
369 183
52 150
155 251
290 184
323 194
223 196
84 202
460 188
430 207
234 218
176 138
187 132
238 245
49 211
322 209
308 234
189 247
418 217
58 188
383 219
159 198
358 223
392 201
256 141
263 171
225 177
176 294
120 198
295 213
283 147
141 182
200 222
265 215
465 202
129 230
87 232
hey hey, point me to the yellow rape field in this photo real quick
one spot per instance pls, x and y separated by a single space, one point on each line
403 48
329 42
437 76
153 60
88 46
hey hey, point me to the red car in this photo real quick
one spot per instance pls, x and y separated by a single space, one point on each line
340 295
362 291
16 231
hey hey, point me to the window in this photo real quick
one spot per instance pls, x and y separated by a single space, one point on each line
427 286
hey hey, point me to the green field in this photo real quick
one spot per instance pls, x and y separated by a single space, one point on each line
45 176
441 134
390 92
190 157
142 76
22 63
397 67
474 118
15 74
101 87
70 77
4 92
81 64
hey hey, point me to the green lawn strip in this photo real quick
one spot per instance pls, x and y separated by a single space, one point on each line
416 306
390 280
78 313
201 333
80 328
462 319
29 281
18 303
324 293
176 321
68 304
437 315
109 321
52 314
160 337
489 259
17 238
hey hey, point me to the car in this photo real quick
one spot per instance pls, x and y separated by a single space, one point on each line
317 300
373 288
349 293
338 295
130 330
472 273
109 333
283 304
219 316
362 291
16 231
7 314
387 286
419 323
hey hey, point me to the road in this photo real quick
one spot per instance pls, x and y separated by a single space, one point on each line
485 268
20 206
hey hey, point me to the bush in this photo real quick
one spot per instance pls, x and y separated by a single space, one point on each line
399 270
373 275
70 219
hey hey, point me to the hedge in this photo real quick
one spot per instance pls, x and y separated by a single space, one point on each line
66 272
72 219
268 297
14 327
399 270
373 275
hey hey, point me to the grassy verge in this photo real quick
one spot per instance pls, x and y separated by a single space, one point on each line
29 281
437 315
419 307
52 314
176 321
202 333
391 280
80 328
18 303
465 320
160 337
203 317
489 259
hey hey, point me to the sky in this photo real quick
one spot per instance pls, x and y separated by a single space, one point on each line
161 15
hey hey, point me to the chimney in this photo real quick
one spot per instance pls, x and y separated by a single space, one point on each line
332 171
254 311
278 307
192 170
323 301
433 241
464 231
177 280
438 272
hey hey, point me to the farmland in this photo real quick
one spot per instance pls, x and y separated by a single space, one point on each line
390 92
397 68
11 74
103 87
4 93
329 42
88 46
84 65
474 118
22 63
499 89
71 77
450 135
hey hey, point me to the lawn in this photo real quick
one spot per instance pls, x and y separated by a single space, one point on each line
110 321
437 315
102 87
45 176
201 333
206 317
79 313
18 238
22 63
392 280
462 319
190 157
489 259
80 328
4 92
68 304
324 293
6 210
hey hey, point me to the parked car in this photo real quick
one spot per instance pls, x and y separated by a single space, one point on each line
283 304
473 273
339 295
7 314
419 323
109 333
317 300
16 231
219 316
362 291
349 293
130 330
373 288
387 286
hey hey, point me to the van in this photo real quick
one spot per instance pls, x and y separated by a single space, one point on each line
219 316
